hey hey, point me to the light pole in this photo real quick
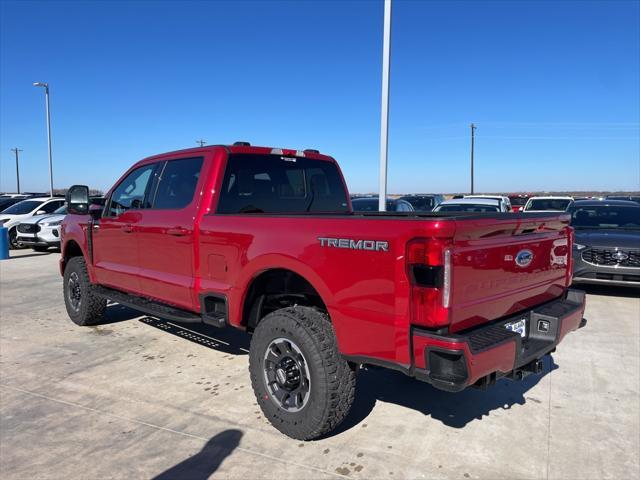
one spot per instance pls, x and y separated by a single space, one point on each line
46 94
384 113
17 152
473 138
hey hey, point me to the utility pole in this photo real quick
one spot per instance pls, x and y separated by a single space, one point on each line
17 151
201 142
384 111
473 137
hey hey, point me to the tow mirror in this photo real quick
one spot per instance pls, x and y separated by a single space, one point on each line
77 199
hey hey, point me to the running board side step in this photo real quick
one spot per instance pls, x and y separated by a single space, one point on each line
157 309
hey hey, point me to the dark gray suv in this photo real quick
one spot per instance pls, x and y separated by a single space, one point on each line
607 242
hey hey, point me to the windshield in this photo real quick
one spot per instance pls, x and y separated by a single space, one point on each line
61 211
604 216
548 204
518 201
21 208
466 207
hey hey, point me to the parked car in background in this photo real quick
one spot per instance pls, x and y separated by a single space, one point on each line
480 205
548 204
7 200
518 201
41 232
423 202
505 203
606 249
12 216
632 198
370 204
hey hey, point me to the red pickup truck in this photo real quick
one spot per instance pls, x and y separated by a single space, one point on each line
265 240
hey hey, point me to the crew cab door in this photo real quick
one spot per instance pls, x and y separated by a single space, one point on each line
115 244
165 233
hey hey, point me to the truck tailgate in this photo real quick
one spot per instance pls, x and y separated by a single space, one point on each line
504 266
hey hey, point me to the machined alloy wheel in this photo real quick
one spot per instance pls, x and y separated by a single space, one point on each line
74 291
286 375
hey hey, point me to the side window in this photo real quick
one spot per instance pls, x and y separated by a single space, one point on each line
177 183
51 206
130 192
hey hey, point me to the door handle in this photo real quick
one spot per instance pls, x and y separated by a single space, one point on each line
177 231
127 228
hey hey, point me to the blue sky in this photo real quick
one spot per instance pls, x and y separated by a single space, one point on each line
552 86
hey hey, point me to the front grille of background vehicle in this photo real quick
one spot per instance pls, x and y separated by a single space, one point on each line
28 228
607 257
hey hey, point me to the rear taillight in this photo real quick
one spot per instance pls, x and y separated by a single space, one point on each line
570 252
429 271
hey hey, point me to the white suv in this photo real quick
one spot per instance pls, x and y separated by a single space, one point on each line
42 231
505 203
12 216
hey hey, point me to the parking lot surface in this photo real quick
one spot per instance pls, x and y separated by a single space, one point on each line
139 397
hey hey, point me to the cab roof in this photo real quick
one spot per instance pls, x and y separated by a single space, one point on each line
243 148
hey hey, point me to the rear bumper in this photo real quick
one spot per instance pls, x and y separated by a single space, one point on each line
478 357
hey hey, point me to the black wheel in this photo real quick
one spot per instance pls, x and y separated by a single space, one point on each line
83 305
302 384
40 249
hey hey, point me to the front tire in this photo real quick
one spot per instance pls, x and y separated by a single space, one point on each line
84 307
303 385
13 239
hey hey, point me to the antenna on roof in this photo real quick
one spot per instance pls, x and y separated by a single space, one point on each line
201 142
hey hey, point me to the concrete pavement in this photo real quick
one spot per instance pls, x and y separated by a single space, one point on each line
139 397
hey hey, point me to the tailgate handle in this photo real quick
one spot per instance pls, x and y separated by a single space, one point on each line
177 231
127 228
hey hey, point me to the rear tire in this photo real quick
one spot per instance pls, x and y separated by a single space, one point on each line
84 307
303 385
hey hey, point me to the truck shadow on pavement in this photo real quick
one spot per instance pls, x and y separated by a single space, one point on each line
227 340
454 410
204 463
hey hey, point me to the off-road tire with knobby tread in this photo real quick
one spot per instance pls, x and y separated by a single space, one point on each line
91 308
332 378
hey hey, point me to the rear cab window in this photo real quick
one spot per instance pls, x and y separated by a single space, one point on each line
281 184
175 184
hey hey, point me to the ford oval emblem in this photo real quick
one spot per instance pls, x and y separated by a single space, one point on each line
524 258
619 256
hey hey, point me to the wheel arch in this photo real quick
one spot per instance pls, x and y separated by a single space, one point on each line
70 249
276 286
